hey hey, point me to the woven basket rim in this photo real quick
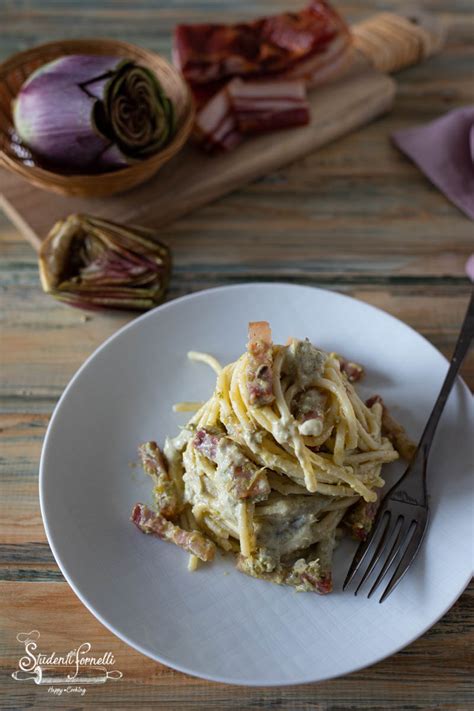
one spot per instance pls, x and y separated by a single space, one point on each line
89 45
14 59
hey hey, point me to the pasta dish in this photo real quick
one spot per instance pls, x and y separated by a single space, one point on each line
276 466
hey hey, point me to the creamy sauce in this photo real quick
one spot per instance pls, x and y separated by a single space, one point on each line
304 363
285 536
284 430
285 523
312 427
253 439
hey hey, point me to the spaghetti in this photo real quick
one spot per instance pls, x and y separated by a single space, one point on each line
282 458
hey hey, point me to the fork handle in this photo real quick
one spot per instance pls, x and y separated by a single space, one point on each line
460 350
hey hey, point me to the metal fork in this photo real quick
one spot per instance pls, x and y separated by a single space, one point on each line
401 521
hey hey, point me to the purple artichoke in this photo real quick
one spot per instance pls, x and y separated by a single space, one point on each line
87 113
92 263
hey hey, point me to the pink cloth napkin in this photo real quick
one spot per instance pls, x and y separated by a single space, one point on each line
470 267
444 151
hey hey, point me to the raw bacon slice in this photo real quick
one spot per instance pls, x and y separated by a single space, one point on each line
216 124
297 33
261 106
324 65
208 53
272 45
245 107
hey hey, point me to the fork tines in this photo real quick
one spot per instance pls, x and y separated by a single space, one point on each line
394 542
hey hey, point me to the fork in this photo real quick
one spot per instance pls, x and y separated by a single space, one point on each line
402 519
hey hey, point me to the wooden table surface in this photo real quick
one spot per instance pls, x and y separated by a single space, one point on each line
356 217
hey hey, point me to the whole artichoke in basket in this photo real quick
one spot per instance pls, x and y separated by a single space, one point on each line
88 113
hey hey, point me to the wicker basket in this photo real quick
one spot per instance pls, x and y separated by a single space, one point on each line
15 70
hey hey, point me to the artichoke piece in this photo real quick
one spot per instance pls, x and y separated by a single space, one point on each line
93 263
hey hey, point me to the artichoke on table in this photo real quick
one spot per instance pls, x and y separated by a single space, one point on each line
91 113
92 263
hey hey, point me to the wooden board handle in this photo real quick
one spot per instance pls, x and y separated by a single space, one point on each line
392 42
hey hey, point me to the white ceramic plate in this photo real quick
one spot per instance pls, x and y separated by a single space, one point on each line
217 623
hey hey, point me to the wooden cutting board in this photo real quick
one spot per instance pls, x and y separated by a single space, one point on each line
192 178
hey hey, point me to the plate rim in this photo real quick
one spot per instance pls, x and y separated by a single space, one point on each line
82 596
